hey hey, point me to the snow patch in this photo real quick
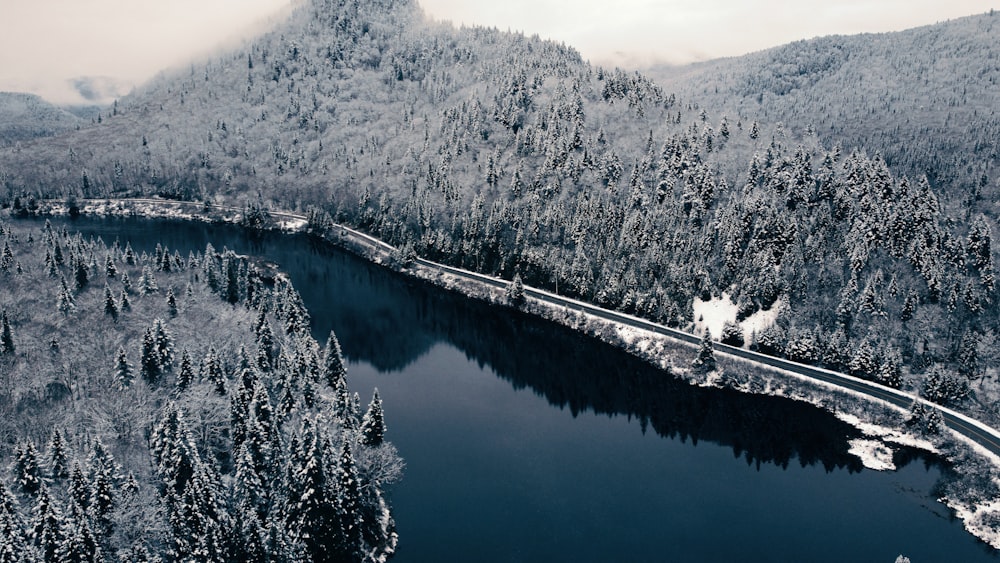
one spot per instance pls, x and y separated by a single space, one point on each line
716 312
873 454
887 434
713 314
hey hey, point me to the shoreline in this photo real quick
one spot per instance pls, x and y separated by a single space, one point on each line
881 422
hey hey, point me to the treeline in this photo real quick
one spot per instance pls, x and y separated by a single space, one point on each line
186 415
509 155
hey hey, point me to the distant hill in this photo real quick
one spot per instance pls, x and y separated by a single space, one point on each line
26 116
927 99
510 155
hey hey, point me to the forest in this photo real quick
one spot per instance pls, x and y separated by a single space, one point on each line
155 407
512 156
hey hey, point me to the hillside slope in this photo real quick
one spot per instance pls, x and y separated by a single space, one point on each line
927 99
26 116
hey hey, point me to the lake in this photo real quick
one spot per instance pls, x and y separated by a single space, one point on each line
525 441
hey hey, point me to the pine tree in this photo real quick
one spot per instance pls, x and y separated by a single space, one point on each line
110 307
58 456
124 373
705 361
171 303
78 487
102 500
26 470
12 538
164 345
186 374
6 336
110 270
334 372
81 276
149 359
79 544
123 302
515 291
349 505
46 527
126 284
312 507
373 424
64 301
211 370
147 282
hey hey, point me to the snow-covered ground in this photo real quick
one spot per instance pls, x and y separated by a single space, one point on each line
715 313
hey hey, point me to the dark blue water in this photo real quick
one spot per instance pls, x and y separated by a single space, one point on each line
527 442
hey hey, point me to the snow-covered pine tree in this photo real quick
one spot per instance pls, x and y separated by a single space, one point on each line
26 468
47 526
373 424
705 360
79 544
13 542
334 372
348 491
186 374
58 456
110 307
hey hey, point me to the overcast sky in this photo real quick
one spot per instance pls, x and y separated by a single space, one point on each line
46 46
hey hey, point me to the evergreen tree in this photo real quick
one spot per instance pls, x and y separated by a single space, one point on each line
164 345
171 303
126 285
79 544
78 487
65 302
373 424
705 361
58 456
81 275
149 359
265 346
147 282
110 307
186 374
123 369
110 270
104 474
334 372
349 505
46 527
732 334
174 453
124 304
313 508
12 538
26 470
515 291
6 335
211 371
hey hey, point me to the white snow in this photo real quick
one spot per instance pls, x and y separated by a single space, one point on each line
887 434
713 314
873 453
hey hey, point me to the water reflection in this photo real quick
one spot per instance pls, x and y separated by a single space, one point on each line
389 321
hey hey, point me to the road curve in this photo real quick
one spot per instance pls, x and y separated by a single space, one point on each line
972 429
